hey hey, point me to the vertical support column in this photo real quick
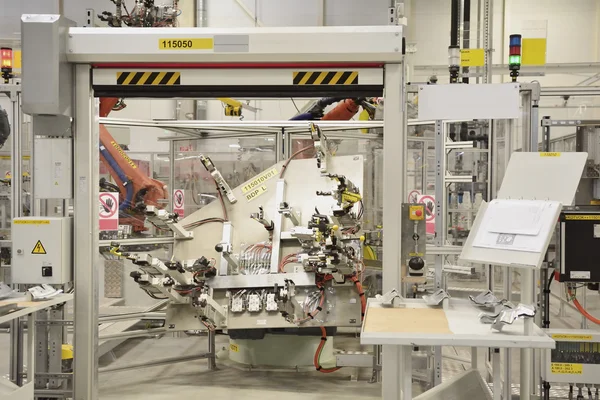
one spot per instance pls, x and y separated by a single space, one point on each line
393 177
55 341
440 231
226 237
171 186
488 39
287 144
527 141
279 146
534 119
16 330
17 158
496 372
407 369
278 223
507 388
16 352
546 138
440 190
41 348
212 365
321 7
526 359
528 287
584 321
85 248
31 353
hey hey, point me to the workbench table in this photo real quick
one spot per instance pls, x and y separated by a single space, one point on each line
411 323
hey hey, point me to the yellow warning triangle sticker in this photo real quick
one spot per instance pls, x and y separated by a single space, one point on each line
39 248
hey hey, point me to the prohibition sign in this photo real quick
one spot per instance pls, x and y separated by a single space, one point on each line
108 205
178 198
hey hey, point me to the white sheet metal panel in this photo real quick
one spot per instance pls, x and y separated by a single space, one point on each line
458 101
543 176
239 77
289 44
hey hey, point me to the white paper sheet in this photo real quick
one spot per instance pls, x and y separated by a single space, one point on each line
519 217
541 221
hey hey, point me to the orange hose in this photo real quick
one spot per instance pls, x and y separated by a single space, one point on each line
361 293
582 310
294 156
318 354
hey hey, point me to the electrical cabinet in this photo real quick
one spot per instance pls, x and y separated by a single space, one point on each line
53 168
41 250
576 358
580 246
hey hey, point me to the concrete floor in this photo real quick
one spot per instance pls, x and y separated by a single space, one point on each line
194 379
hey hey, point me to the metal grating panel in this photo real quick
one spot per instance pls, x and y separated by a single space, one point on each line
113 278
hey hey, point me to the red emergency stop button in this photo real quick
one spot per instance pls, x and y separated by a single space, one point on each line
419 213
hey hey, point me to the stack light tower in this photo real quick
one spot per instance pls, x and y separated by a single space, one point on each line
514 57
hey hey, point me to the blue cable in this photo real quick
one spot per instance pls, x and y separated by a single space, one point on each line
304 117
122 177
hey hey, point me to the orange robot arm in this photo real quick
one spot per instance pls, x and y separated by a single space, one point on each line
135 187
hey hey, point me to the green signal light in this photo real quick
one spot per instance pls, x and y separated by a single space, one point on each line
514 60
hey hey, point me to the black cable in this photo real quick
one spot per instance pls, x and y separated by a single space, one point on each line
153 296
204 221
550 280
297 109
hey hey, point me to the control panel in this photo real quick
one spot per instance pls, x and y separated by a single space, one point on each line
414 242
579 246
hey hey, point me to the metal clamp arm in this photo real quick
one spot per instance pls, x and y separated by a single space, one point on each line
221 183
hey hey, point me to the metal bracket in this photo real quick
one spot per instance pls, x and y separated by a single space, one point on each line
164 219
222 184
288 212
226 251
321 147
260 218
387 299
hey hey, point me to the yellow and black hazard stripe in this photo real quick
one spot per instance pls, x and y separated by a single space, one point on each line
326 78
149 78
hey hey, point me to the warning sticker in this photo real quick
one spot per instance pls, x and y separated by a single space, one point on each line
259 180
31 222
234 348
564 368
39 248
563 336
582 217
259 191
549 154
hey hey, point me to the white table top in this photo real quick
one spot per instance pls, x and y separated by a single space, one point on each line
464 326
29 307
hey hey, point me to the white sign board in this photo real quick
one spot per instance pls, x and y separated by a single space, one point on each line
108 211
179 202
548 176
463 102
